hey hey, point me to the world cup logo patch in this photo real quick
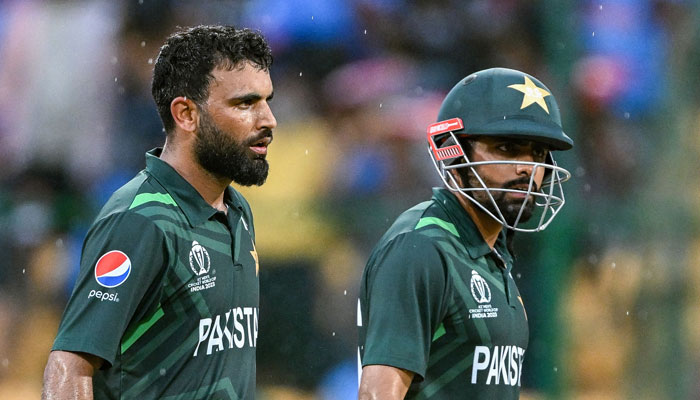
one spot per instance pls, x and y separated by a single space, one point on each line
199 259
480 288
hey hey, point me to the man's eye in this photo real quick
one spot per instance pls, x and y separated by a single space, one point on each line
539 153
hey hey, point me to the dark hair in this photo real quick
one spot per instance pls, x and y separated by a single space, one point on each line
188 57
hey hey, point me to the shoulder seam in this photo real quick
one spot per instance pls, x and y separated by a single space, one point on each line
143 198
447 226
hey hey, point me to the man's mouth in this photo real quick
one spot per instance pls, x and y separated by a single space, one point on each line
521 191
260 146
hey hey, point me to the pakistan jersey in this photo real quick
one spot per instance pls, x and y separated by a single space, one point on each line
436 300
167 293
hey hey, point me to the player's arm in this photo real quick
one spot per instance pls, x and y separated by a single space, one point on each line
68 375
384 382
402 296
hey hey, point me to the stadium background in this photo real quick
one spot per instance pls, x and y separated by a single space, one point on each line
611 288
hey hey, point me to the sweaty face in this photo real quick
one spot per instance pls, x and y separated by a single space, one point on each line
505 176
235 125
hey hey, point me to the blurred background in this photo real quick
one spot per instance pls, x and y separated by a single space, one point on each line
612 287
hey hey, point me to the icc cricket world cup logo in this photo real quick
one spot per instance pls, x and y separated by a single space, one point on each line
480 289
199 259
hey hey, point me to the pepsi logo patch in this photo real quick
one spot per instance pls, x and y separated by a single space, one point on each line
112 269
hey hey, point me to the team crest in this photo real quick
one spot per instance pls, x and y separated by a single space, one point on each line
199 259
532 94
480 289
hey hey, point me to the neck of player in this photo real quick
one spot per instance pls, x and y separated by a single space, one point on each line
209 186
487 226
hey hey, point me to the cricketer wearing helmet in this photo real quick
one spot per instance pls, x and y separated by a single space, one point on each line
440 316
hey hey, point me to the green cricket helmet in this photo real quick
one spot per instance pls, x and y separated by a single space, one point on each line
500 102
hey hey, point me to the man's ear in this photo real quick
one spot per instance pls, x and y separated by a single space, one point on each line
185 113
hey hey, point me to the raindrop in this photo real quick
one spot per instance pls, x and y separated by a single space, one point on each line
593 259
380 105
628 313
593 34
150 61
556 369
59 242
300 73
114 60
614 265
580 171
140 2
115 78
600 7
345 292
23 270
627 115
162 371
333 333
518 275
365 31
5 362
312 17
306 152
143 44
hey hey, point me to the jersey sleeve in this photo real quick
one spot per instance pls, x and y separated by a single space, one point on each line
405 302
122 256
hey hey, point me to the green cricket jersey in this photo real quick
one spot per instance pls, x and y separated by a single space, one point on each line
436 300
167 293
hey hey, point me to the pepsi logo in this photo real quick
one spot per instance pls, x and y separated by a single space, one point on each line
112 269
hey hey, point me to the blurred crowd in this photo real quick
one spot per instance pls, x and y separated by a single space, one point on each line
612 288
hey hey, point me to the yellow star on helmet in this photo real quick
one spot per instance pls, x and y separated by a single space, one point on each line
532 94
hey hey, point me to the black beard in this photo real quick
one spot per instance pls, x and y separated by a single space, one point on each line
221 155
510 208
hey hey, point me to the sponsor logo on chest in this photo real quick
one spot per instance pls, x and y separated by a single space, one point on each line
200 263
481 292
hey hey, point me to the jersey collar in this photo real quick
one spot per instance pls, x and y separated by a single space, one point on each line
195 208
476 245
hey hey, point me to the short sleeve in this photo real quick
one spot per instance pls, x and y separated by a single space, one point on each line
122 256
404 294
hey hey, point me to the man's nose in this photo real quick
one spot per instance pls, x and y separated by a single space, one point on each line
266 119
526 169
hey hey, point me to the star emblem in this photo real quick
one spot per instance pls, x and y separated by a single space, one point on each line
532 94
523 304
254 254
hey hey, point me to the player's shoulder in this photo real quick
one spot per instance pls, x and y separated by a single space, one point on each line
423 222
142 200
411 238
